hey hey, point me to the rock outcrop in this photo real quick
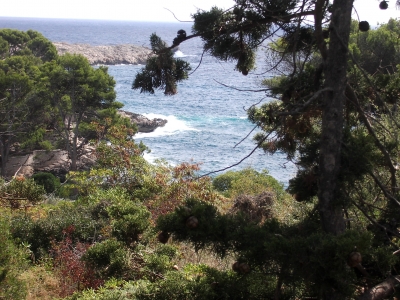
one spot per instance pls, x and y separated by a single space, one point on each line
143 123
57 161
107 55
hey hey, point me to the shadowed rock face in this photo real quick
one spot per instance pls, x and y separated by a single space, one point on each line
107 55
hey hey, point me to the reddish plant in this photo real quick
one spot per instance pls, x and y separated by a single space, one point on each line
74 274
175 184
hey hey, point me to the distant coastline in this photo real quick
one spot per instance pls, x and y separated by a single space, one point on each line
107 55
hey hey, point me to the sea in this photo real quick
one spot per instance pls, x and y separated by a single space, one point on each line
207 120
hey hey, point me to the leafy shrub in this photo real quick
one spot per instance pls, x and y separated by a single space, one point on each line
40 232
108 258
50 182
111 195
11 261
168 186
247 182
74 273
129 220
21 189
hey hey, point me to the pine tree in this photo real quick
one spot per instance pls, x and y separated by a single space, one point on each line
316 117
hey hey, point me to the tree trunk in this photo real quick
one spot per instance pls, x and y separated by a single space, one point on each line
335 71
74 149
382 290
4 151
332 118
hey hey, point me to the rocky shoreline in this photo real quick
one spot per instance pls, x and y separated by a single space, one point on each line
107 55
57 161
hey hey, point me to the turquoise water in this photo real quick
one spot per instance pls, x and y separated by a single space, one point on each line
206 120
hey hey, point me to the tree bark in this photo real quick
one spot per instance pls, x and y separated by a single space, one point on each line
4 152
335 70
382 290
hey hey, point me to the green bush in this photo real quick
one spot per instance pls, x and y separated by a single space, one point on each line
39 233
129 220
50 182
21 188
247 182
36 140
12 260
108 258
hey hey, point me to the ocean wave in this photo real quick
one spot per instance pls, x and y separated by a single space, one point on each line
173 126
179 54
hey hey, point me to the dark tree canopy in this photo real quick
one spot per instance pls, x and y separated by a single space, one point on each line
335 115
162 71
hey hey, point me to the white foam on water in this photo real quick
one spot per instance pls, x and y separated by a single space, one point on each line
173 126
179 54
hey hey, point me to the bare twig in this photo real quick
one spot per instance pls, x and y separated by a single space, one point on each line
240 90
201 59
254 128
175 16
239 162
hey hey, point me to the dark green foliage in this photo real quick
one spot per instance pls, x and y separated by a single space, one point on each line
298 39
310 256
162 71
36 140
129 220
377 49
25 43
77 93
109 258
211 230
50 182
41 232
22 111
41 47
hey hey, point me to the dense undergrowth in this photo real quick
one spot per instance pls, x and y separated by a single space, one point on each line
108 244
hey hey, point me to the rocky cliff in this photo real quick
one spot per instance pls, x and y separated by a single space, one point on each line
107 55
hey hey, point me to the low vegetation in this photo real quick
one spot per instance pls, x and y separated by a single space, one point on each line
127 229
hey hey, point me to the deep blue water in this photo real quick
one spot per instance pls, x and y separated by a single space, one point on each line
205 119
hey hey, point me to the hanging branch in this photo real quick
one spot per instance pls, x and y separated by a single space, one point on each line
201 59
392 169
254 128
239 162
382 187
240 90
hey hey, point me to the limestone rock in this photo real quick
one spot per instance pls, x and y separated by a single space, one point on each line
107 55
55 161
